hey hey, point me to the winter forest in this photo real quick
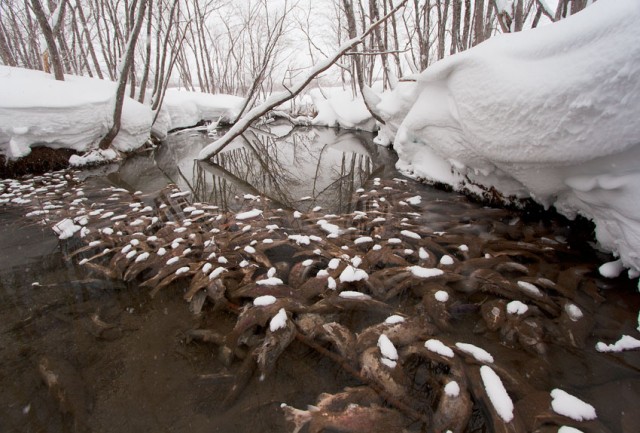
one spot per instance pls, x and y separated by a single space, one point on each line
319 216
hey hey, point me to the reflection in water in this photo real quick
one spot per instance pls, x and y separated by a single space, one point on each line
297 168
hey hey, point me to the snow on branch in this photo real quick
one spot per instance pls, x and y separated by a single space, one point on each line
278 98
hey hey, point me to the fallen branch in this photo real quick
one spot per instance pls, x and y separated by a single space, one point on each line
280 97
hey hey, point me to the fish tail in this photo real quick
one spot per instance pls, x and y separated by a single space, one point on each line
297 416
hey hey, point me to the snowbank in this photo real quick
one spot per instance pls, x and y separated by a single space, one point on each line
340 109
37 110
549 113
181 109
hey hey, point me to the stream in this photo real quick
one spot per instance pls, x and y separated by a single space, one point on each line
86 348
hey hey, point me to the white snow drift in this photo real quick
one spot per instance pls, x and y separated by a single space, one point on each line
550 113
37 110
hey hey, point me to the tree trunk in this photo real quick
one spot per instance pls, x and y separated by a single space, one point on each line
5 53
455 26
122 83
54 56
351 24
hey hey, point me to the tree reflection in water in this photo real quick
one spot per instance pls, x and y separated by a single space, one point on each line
323 164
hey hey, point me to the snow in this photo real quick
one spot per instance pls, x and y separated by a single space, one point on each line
441 296
611 269
35 109
438 347
626 342
446 260
278 321
248 214
421 272
341 110
271 281
181 108
567 429
477 352
263 301
538 114
410 234
351 274
65 228
349 294
566 404
363 240
529 288
387 349
452 389
573 311
517 308
497 394
393 319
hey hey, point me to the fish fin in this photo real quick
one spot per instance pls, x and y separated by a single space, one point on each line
299 417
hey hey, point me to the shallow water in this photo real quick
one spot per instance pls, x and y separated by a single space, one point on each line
125 362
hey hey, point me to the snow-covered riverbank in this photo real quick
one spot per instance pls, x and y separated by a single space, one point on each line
549 114
37 110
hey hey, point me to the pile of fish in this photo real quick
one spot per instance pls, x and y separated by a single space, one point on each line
390 292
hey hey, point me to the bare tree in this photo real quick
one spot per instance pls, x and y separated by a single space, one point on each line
47 32
106 141
281 97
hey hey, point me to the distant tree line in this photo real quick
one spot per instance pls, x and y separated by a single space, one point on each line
249 48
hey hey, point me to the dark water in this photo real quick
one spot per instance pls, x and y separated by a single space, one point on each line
125 362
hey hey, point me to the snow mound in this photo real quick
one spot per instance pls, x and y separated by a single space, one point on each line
182 108
37 110
570 406
539 114
341 110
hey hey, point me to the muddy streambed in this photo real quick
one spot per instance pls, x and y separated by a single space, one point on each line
85 347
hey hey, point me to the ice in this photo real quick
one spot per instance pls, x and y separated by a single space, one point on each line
497 393
566 404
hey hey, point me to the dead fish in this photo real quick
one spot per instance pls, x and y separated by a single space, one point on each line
454 408
67 387
401 333
392 380
334 304
354 419
252 315
494 313
275 342
342 338
361 395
